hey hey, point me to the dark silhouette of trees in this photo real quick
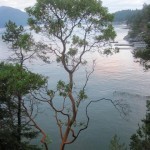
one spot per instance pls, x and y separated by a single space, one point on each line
15 125
140 30
141 139
143 54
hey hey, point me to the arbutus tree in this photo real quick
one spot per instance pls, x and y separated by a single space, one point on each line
73 28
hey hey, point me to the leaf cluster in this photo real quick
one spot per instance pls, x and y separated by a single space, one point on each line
16 36
19 80
63 88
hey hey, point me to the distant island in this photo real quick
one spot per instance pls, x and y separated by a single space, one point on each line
15 15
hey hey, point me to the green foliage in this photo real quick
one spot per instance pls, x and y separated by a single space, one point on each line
12 32
72 51
61 19
16 36
14 81
140 27
144 54
8 138
19 80
19 42
141 139
63 88
74 9
82 95
115 144
51 93
139 21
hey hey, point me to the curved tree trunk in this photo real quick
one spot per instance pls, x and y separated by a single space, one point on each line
74 112
19 122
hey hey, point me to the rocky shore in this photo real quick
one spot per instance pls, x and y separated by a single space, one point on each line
137 41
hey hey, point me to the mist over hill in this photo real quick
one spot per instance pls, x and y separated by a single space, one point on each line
15 15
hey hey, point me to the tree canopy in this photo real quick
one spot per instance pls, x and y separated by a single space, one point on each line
15 81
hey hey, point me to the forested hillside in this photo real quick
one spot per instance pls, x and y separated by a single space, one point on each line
139 22
124 15
140 30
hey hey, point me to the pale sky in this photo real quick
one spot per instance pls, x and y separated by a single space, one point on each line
113 5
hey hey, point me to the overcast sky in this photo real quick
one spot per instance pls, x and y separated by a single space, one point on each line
113 5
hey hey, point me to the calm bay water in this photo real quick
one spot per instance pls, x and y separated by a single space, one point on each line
115 77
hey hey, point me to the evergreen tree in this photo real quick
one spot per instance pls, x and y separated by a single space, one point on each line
13 83
144 54
140 27
141 139
19 42
138 23
116 145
